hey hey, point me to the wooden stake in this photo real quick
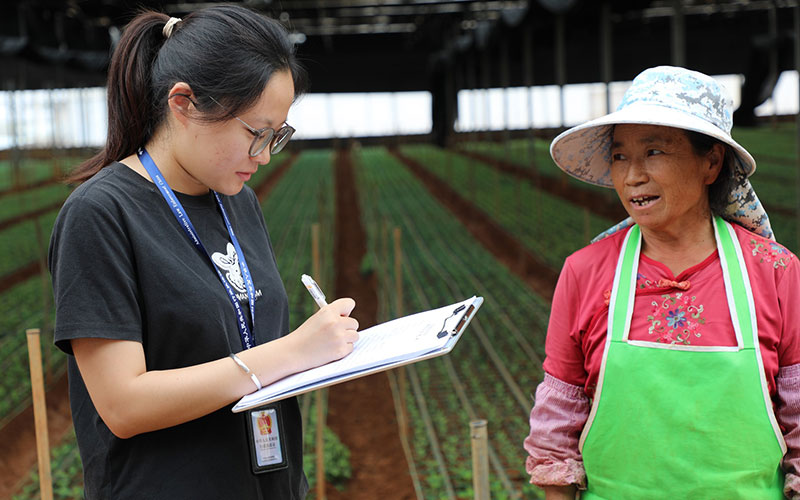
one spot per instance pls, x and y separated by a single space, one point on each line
40 414
480 459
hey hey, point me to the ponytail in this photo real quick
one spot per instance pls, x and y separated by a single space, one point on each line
130 114
227 53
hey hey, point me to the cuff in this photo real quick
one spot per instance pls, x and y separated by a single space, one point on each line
791 487
563 473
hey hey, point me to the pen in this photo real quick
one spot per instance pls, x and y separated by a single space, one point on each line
314 290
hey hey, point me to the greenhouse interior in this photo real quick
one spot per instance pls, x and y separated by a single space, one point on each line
420 174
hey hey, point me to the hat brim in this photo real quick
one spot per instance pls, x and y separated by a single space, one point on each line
584 152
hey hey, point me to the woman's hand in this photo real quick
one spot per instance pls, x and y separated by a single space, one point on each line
326 336
132 400
560 492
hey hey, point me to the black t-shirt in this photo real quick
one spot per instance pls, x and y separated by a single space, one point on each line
124 269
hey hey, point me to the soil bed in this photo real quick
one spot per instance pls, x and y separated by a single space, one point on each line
505 247
361 412
265 186
606 206
18 437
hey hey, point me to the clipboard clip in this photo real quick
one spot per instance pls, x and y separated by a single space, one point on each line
443 332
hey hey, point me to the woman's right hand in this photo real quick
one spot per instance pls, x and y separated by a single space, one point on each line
560 492
326 336
132 400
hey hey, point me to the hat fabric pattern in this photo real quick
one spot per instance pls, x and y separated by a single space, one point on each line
688 91
672 97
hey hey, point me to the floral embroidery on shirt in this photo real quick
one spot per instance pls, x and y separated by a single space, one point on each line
770 252
675 318
643 282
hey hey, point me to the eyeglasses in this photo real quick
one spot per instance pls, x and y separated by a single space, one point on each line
266 136
262 137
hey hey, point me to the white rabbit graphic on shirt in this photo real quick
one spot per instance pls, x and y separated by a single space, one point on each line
229 264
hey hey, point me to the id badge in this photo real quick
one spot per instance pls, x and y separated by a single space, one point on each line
267 447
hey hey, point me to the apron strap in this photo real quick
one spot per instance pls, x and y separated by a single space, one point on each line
737 285
620 307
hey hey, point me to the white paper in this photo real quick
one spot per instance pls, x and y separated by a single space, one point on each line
399 339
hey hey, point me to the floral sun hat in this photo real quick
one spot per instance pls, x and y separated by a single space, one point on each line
672 97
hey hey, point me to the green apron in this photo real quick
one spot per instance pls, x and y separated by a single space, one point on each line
682 422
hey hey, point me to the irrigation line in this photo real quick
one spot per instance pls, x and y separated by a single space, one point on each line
524 403
422 407
480 332
397 397
454 379
523 343
412 469
461 393
497 465
452 374
429 428
462 396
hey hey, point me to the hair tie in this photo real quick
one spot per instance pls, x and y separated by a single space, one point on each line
167 31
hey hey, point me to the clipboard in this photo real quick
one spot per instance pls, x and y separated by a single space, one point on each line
375 351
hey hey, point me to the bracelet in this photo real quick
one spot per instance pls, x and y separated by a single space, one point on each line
244 367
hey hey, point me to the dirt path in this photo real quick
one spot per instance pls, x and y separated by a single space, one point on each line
505 247
5 224
21 274
18 437
26 187
269 182
605 206
361 412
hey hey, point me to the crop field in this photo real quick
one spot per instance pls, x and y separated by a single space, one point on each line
495 367
775 179
493 371
28 172
530 214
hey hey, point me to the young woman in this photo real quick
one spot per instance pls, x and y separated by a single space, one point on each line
168 299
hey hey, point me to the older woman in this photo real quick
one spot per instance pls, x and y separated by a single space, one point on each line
673 349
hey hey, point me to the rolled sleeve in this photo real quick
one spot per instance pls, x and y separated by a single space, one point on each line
788 415
556 422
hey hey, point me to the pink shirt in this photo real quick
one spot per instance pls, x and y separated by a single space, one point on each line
688 308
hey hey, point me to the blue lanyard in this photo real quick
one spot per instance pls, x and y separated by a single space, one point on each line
188 228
